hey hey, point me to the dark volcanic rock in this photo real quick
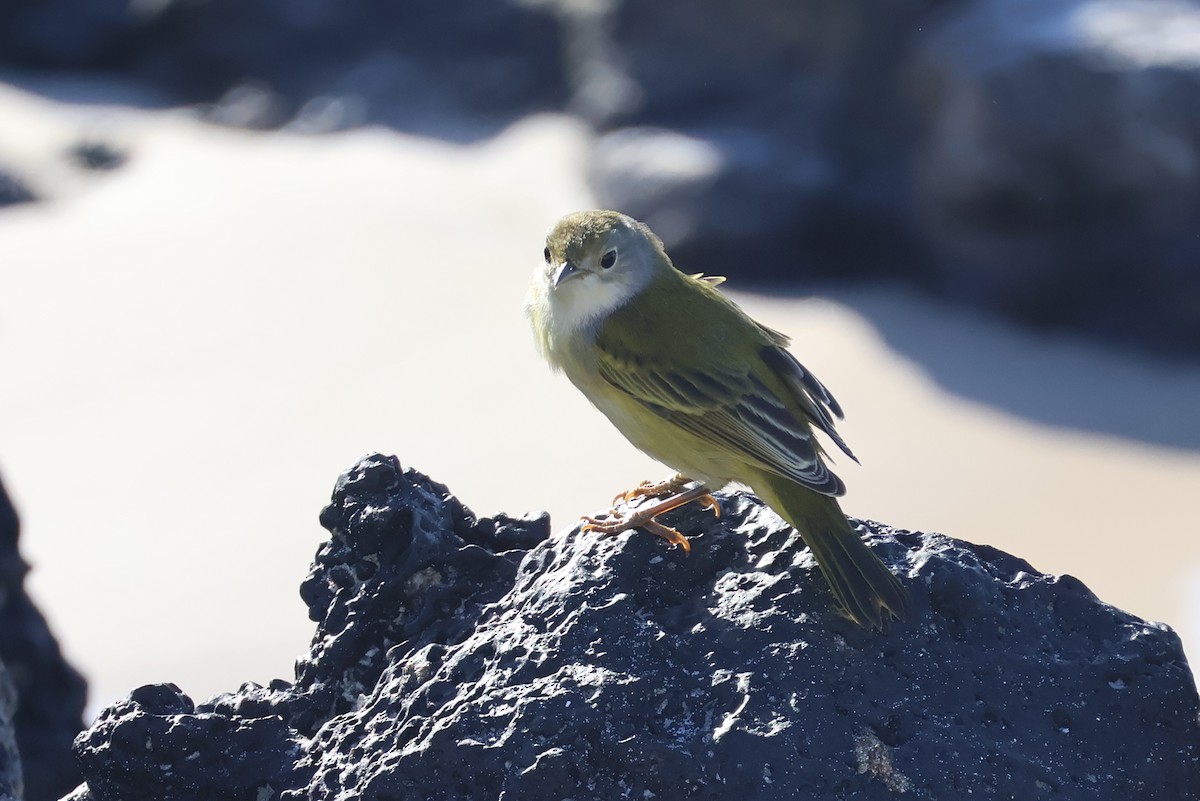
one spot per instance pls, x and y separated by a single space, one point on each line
464 658
158 744
49 693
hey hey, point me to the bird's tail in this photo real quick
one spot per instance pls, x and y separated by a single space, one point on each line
864 586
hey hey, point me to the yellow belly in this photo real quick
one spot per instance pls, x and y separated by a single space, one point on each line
656 437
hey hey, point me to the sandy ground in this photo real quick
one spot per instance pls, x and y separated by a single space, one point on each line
195 345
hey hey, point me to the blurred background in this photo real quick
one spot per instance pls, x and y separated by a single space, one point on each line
244 242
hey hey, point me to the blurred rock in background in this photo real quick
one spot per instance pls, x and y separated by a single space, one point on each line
1039 159
316 65
40 694
11 782
1056 173
13 190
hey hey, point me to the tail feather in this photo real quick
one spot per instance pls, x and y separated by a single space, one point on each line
863 585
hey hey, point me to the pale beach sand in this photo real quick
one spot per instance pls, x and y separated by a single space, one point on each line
194 346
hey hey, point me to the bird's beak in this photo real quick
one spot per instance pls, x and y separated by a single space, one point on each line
565 271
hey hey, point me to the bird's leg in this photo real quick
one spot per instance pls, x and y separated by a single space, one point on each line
643 517
654 489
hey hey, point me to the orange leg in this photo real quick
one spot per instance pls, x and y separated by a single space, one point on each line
643 517
654 489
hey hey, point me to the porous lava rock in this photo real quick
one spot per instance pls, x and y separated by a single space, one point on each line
459 657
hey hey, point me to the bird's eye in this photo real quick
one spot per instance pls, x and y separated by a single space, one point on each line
546 255
608 259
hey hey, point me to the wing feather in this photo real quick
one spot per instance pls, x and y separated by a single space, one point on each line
729 408
822 407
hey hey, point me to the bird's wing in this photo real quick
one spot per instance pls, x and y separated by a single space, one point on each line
714 393
818 402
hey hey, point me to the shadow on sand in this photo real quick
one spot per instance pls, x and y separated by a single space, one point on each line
1057 379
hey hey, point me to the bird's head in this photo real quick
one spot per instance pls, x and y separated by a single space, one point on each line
596 261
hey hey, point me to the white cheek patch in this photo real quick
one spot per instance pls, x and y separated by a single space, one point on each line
582 302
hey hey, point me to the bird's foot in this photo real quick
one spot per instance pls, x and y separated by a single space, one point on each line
644 517
612 527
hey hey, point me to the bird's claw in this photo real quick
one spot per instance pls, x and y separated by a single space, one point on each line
669 534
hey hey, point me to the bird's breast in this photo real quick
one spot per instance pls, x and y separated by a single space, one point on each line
653 435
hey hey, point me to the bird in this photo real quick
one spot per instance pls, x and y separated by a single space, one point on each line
692 381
